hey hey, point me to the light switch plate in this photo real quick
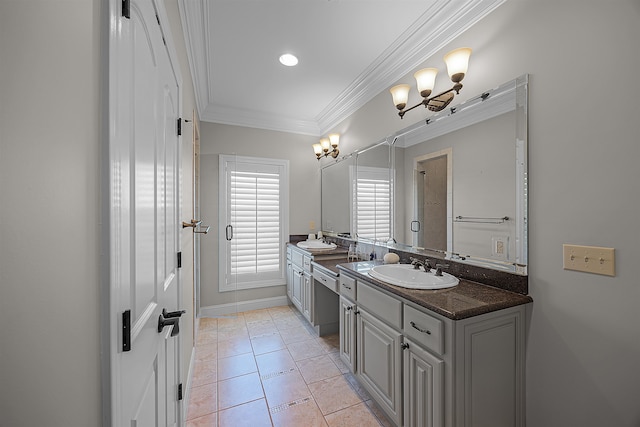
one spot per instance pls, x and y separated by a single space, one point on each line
591 259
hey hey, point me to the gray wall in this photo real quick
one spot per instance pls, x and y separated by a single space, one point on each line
50 213
304 195
51 255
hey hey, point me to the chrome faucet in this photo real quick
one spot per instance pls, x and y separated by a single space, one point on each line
418 263
439 268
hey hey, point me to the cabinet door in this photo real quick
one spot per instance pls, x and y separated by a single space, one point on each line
296 290
289 279
380 363
423 387
307 296
348 333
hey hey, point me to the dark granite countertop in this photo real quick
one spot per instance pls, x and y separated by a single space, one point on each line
467 299
330 264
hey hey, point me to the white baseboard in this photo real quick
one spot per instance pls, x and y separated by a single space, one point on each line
256 304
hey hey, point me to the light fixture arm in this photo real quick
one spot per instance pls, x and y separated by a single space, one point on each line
436 102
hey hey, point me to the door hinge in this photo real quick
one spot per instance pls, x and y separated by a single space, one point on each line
179 259
126 9
126 330
180 396
179 126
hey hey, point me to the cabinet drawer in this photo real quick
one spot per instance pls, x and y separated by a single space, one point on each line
297 258
381 305
306 263
327 280
348 287
426 330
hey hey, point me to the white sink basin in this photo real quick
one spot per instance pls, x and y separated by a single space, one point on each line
316 245
406 276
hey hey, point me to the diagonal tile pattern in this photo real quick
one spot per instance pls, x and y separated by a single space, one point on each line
268 368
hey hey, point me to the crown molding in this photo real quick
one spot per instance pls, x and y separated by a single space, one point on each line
255 119
439 25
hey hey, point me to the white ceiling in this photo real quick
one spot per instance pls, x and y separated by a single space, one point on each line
349 51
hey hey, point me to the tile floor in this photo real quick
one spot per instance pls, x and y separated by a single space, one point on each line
267 368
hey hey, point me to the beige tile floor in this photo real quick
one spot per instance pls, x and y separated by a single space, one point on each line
268 368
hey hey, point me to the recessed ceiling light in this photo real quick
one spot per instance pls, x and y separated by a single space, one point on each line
288 59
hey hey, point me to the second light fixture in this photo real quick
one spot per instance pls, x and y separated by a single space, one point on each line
327 146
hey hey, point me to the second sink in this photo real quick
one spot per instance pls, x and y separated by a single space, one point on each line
406 276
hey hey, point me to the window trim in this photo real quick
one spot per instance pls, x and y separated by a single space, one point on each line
226 281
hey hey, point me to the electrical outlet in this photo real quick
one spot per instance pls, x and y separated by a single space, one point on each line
500 247
312 225
590 259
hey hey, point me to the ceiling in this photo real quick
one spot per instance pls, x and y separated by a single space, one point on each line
349 51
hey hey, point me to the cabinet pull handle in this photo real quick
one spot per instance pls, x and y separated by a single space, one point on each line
424 331
404 346
348 287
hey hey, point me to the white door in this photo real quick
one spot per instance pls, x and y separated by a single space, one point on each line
144 182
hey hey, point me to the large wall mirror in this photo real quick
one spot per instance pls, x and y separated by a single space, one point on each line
459 182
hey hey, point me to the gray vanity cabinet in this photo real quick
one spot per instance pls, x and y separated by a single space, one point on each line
423 387
348 333
296 287
301 294
380 363
426 370
348 311
289 274
307 296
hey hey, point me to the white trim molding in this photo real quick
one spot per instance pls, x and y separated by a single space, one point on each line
242 306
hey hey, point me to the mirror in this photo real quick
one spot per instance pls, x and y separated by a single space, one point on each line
460 181
356 191
335 196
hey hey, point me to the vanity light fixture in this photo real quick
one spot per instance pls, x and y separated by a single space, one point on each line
327 146
457 63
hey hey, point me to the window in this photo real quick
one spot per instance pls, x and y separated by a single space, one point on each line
372 203
253 215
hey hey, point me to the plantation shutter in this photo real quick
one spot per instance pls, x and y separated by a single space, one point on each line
256 202
373 203
255 205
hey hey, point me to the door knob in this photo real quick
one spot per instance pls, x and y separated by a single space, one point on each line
170 319
171 314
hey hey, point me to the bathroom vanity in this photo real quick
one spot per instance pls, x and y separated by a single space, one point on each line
453 192
450 357
312 286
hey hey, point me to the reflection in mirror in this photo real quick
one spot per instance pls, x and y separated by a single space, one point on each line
335 196
458 183
372 199
479 159
432 181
